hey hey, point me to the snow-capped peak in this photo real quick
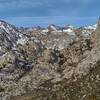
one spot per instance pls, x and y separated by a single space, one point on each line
91 27
87 30
52 27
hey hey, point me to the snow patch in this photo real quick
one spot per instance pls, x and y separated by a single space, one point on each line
22 40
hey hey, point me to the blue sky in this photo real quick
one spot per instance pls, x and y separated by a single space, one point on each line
44 12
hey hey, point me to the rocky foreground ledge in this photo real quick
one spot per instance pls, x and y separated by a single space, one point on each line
49 64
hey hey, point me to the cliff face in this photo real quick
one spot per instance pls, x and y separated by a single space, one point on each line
96 35
52 66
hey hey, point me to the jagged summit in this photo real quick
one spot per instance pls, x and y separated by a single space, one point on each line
2 21
9 35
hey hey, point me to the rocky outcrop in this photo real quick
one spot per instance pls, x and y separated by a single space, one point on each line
9 37
52 66
95 36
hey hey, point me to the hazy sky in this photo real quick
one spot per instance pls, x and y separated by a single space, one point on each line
44 12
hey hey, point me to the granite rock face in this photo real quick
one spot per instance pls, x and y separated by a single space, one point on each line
56 65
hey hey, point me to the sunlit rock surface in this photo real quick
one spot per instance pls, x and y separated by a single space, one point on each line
62 64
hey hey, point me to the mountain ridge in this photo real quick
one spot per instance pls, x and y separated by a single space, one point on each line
49 63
